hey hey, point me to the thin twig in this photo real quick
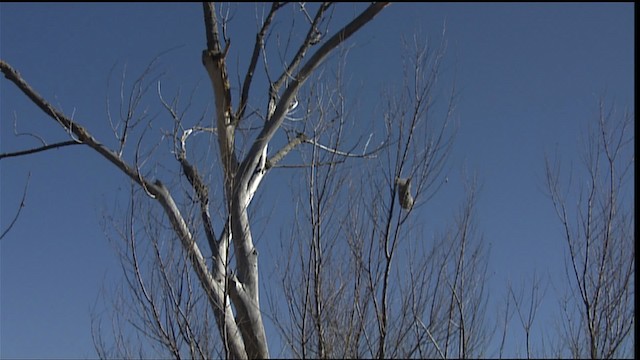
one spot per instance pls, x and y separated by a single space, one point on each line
24 197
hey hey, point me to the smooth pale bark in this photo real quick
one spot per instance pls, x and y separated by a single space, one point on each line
243 179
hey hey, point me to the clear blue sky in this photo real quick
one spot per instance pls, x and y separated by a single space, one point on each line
529 77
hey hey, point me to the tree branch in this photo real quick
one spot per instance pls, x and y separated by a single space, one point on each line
215 290
39 149
285 150
15 218
213 60
72 127
259 44
342 153
310 39
247 167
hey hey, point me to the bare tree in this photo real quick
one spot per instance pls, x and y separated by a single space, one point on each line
160 298
526 306
361 277
230 280
598 310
